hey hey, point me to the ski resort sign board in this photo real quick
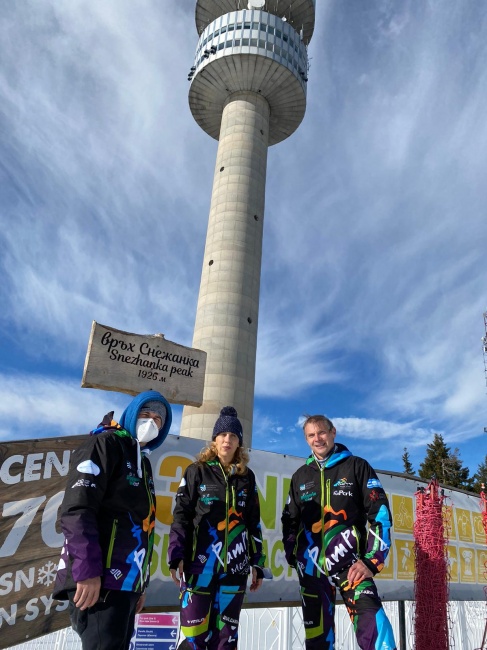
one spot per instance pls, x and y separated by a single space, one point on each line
132 363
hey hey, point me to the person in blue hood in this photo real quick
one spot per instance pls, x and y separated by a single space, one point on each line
108 518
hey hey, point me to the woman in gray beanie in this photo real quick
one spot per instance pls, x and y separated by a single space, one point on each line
216 538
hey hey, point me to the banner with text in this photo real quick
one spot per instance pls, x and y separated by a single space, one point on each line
32 482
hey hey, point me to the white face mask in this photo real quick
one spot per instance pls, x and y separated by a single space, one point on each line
146 430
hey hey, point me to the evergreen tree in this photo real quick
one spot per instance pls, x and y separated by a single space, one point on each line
408 468
445 465
456 475
436 455
480 476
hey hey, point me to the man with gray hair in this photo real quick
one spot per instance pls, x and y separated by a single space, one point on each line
331 499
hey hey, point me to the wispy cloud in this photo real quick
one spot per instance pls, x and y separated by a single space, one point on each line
37 407
387 241
34 406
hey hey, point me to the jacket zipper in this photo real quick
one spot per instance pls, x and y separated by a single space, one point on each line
152 507
325 501
149 493
226 524
323 504
226 518
328 503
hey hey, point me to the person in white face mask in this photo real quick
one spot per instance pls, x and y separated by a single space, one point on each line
107 517
147 428
149 422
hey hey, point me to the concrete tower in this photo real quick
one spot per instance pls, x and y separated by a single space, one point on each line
248 91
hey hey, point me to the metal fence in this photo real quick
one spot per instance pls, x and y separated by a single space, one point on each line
282 629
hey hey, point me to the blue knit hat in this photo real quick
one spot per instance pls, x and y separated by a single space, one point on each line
228 422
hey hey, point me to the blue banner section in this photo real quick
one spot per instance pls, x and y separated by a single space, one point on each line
158 633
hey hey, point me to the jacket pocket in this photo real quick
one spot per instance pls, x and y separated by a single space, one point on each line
195 543
296 543
113 536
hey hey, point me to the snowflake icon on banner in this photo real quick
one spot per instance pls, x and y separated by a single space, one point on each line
47 574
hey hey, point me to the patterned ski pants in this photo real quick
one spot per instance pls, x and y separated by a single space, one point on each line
371 625
210 611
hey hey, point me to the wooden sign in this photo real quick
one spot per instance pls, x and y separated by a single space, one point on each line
132 363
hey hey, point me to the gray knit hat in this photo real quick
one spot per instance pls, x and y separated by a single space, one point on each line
156 407
228 422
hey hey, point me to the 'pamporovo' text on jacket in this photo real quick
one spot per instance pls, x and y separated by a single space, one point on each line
216 526
324 520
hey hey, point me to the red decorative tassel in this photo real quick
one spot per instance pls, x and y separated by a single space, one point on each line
431 620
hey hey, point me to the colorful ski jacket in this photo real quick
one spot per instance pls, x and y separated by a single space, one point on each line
108 511
216 522
324 519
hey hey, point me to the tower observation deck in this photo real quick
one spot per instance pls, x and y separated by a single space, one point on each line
248 91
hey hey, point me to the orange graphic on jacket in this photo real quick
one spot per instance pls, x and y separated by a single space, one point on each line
316 527
231 524
149 522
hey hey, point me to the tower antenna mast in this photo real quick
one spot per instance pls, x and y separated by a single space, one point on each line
484 349
484 346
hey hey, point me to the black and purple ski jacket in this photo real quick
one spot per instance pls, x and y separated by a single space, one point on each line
216 526
107 515
325 519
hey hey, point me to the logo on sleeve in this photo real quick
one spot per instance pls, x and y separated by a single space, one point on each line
374 483
376 495
83 482
88 467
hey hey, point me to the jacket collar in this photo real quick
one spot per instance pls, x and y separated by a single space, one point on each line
339 453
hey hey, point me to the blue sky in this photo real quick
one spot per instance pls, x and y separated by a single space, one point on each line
374 266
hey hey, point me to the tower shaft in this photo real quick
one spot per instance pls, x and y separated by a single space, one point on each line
248 90
228 304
